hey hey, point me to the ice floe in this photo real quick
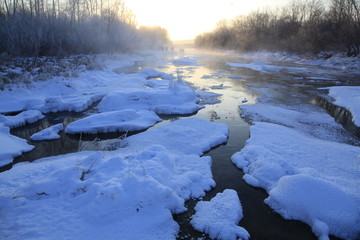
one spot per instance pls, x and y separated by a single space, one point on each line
11 146
130 193
349 98
23 118
307 179
219 217
185 61
177 99
313 121
115 121
256 66
49 133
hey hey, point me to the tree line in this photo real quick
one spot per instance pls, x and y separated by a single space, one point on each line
64 27
301 26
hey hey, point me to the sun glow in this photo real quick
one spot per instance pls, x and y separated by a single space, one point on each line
185 19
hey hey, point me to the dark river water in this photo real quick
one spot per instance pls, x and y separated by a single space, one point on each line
291 85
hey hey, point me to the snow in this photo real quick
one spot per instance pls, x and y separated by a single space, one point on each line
256 66
116 121
152 73
11 146
349 98
176 99
185 61
49 133
208 97
307 179
219 217
313 121
129 193
206 133
23 118
337 60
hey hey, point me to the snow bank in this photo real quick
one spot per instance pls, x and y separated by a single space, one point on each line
219 217
122 121
11 146
130 193
49 133
349 98
307 179
21 119
180 99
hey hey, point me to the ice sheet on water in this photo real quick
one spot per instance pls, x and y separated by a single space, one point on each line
126 194
11 146
349 98
178 98
312 120
152 73
219 217
49 133
208 97
306 178
115 121
185 61
23 118
256 66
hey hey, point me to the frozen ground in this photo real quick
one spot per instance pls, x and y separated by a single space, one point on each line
132 191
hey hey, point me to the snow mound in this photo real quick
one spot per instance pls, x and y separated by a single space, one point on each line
219 217
349 98
178 100
23 118
11 146
185 61
306 178
49 133
126 194
122 121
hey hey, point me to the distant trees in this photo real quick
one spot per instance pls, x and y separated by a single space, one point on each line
301 26
62 27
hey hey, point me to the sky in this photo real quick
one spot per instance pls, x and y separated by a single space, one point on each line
185 19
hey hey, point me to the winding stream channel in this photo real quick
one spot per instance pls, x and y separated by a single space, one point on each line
292 84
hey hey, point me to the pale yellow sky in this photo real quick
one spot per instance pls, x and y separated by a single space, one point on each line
185 19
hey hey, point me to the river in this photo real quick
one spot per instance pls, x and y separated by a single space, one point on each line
290 85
